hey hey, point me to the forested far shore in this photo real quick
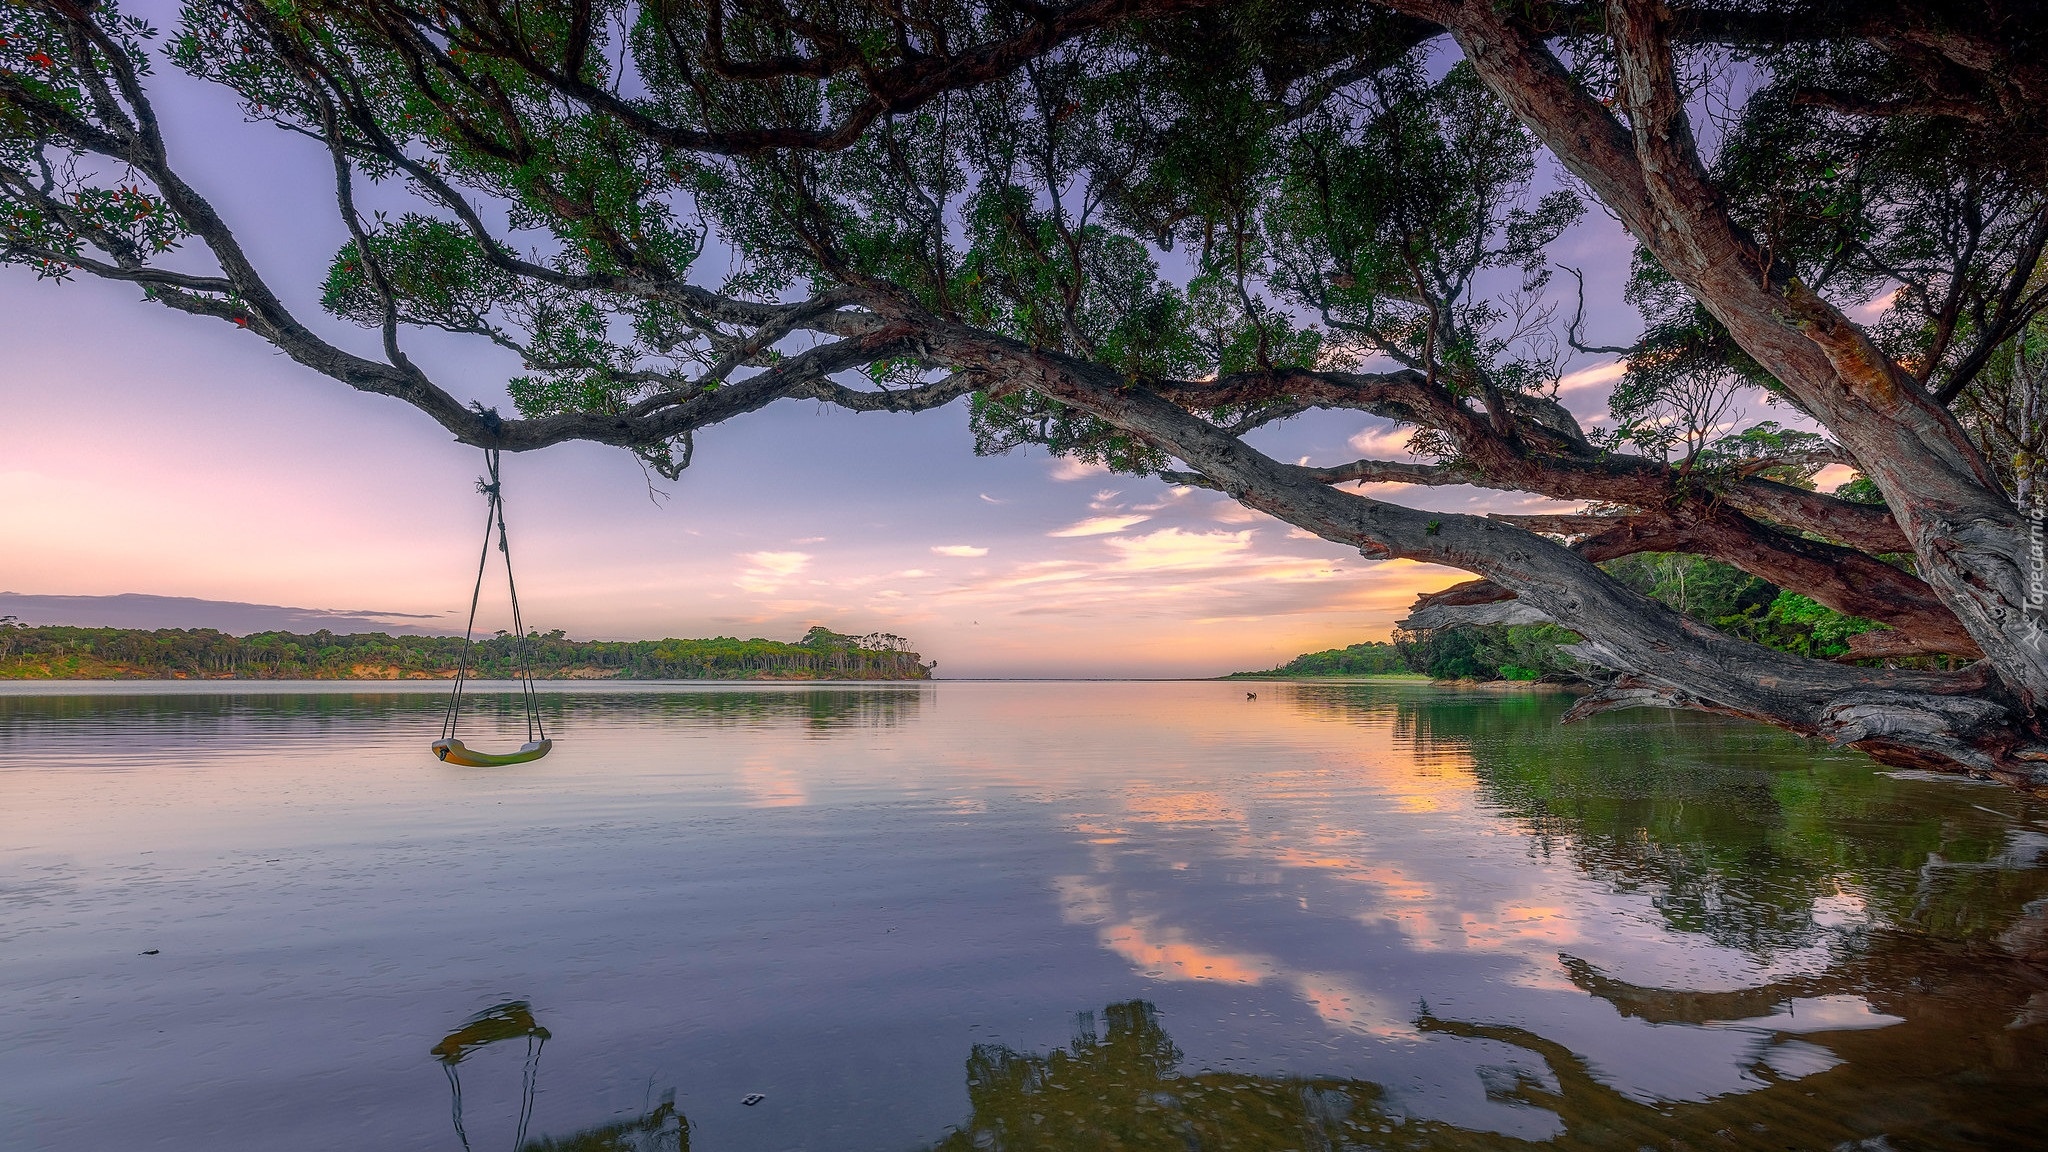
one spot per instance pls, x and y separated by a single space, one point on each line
1718 595
1371 658
55 652
1467 652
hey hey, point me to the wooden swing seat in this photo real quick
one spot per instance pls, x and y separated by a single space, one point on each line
454 751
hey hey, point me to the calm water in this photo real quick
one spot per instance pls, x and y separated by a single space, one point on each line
1023 916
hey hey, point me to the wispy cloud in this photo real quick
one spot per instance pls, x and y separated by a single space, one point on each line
1068 468
779 563
1383 442
1597 376
1231 512
769 571
986 498
1099 526
962 550
1172 548
1871 311
1167 499
1222 580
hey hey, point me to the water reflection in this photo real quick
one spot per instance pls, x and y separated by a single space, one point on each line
1324 913
1838 901
1880 987
818 710
206 714
1128 1087
512 1020
1918 1079
1753 839
663 1129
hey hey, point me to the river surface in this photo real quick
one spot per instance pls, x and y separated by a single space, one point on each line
998 916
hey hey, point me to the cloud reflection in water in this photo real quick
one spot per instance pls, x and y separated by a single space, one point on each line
1419 909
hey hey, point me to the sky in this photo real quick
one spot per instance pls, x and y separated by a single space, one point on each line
148 452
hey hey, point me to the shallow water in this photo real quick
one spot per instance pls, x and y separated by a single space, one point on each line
963 915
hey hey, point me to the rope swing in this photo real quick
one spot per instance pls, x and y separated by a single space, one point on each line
537 745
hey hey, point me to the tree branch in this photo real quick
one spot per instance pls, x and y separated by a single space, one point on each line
892 90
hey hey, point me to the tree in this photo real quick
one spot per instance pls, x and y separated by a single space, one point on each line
943 199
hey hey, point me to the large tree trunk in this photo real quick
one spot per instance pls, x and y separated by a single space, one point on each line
1968 541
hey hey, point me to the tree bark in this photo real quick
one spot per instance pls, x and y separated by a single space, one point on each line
1966 538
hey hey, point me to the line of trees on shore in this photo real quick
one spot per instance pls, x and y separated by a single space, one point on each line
67 653
1711 592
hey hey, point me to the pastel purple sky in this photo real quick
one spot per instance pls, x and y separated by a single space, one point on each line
153 452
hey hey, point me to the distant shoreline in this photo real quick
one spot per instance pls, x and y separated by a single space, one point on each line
1325 677
593 676
60 652
145 685
135 686
1400 678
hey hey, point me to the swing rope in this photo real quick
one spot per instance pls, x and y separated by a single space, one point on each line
494 518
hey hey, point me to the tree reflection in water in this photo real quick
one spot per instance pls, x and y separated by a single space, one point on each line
1926 1026
663 1129
817 710
147 723
1966 1065
1735 830
1951 1074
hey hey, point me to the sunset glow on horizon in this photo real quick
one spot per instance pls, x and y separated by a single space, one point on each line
177 460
